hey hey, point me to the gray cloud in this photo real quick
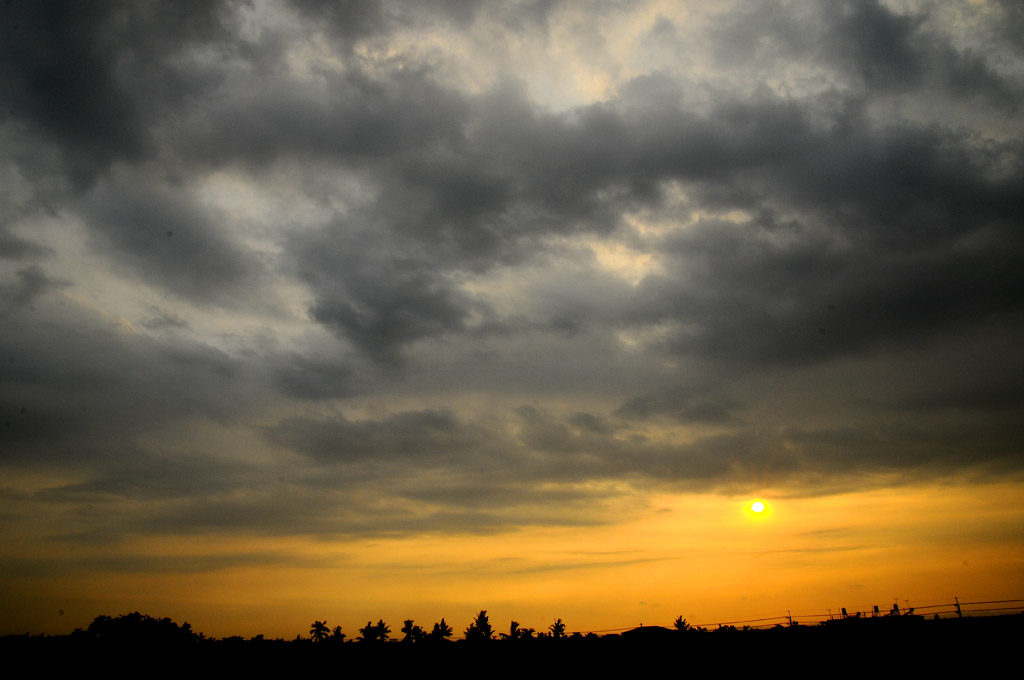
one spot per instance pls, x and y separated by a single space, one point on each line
310 378
871 46
159 319
90 391
863 188
686 405
750 299
93 79
170 240
162 564
31 282
353 116
15 248
292 200
348 21
382 306
432 437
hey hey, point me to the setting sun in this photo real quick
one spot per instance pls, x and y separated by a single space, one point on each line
757 508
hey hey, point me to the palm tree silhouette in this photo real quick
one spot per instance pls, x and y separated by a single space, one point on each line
441 631
480 629
557 629
375 632
513 632
319 631
412 632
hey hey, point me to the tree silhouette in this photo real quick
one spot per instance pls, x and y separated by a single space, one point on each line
513 632
318 631
681 624
375 632
441 631
412 632
337 636
140 628
480 629
557 629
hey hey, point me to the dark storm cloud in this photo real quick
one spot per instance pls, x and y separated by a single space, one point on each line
891 51
310 378
432 436
980 398
351 116
906 190
1008 23
905 231
755 293
160 319
464 183
350 22
148 477
382 306
31 283
170 240
907 187
298 512
867 39
346 20
415 445
462 209
560 463
822 221
148 564
14 248
88 391
912 449
685 405
870 46
372 477
93 77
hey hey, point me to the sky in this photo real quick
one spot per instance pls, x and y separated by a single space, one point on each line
394 310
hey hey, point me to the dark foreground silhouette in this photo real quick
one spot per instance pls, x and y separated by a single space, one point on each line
908 644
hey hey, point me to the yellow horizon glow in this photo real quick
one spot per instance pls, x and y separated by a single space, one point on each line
685 555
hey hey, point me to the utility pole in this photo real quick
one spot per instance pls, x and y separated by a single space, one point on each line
959 614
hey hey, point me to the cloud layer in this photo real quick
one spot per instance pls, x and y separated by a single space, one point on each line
291 268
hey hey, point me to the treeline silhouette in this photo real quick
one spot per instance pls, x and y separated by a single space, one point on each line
896 640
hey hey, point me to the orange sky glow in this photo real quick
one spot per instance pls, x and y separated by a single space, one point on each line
699 556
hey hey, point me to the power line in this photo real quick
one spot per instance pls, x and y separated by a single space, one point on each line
946 608
818 617
993 602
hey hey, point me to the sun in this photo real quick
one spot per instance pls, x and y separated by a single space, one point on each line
757 508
